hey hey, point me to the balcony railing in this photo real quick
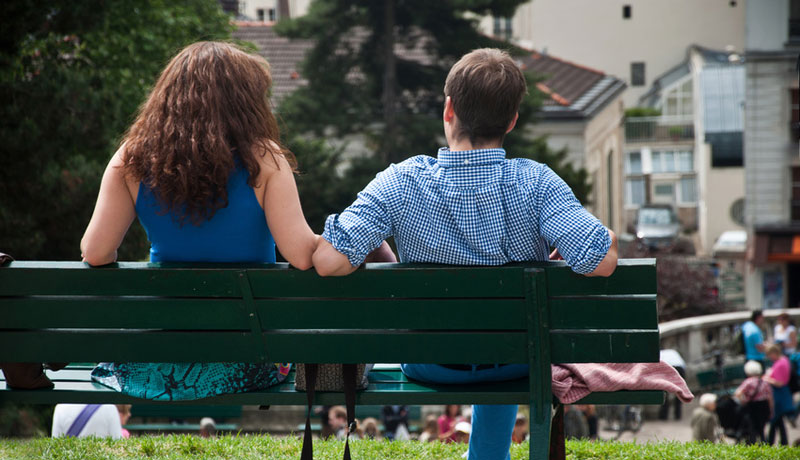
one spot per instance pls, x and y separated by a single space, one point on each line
659 129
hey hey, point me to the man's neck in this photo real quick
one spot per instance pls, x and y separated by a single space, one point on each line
467 145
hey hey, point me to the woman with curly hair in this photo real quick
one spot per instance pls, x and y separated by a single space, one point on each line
203 169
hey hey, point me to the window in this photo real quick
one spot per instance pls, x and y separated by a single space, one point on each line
677 100
230 6
272 15
664 190
796 194
634 189
794 21
637 74
673 161
260 14
685 161
502 27
688 189
666 163
634 165
626 12
726 149
795 117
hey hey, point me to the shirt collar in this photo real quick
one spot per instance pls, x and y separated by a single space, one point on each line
448 158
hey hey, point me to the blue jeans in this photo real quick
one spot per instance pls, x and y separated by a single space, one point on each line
491 424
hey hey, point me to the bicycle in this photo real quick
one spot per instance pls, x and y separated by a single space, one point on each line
620 419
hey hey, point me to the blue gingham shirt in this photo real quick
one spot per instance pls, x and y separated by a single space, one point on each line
472 207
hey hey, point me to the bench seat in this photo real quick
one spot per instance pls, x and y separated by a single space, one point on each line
387 385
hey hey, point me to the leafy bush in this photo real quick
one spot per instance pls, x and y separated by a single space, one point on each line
634 112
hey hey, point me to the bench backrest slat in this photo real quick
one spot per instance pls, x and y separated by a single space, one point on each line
632 276
421 314
63 311
403 283
72 279
125 312
600 312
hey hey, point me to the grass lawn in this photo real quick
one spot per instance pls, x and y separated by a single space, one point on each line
267 447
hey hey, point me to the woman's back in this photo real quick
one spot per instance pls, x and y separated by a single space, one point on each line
236 233
203 170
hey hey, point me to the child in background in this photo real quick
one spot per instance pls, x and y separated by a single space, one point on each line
431 430
520 432
124 415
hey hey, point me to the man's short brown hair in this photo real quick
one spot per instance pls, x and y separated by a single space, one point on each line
486 88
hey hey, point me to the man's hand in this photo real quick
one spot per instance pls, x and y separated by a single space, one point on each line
555 255
382 254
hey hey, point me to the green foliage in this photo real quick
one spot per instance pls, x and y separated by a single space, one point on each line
686 285
346 93
180 447
72 78
633 112
25 420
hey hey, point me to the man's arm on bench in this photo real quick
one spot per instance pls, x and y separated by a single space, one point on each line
609 263
330 262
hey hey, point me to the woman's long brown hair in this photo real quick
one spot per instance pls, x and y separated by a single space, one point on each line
210 104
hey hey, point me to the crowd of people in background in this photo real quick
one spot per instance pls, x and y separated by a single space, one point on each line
764 400
781 359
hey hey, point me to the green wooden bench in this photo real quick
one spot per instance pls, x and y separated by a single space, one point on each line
710 379
529 313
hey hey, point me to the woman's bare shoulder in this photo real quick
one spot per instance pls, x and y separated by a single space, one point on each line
117 165
271 159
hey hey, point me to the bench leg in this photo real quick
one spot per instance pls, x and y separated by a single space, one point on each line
558 450
540 440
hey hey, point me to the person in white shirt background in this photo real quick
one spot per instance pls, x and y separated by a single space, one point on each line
785 334
103 422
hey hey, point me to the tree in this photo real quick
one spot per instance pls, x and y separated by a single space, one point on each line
686 286
360 84
72 76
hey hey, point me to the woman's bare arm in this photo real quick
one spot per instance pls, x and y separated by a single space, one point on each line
294 238
113 214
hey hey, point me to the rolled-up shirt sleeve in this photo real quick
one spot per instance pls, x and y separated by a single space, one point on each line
363 226
581 239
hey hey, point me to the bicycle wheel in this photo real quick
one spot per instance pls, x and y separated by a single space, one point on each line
613 420
633 418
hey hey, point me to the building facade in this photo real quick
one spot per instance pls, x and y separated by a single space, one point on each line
268 11
583 113
634 40
690 155
772 163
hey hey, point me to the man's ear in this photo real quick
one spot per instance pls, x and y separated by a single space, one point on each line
449 111
513 123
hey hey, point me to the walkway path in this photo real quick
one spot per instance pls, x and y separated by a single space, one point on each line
676 430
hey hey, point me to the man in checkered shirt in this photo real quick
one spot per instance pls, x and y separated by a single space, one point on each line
470 205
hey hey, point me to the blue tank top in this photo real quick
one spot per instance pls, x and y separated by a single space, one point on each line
236 233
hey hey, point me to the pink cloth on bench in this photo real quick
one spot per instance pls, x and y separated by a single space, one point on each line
571 382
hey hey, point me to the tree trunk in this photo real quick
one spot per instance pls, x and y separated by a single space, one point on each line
388 144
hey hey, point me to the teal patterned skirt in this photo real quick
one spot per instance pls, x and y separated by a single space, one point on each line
188 381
